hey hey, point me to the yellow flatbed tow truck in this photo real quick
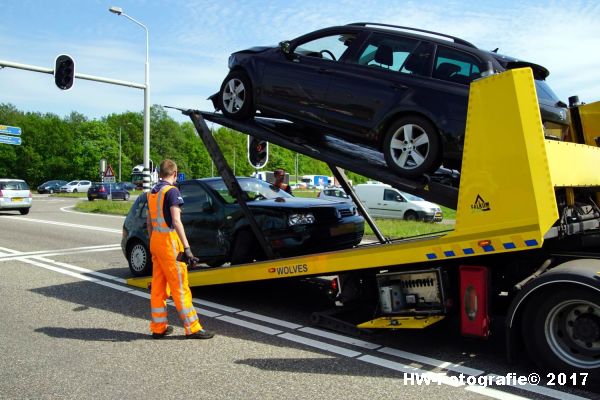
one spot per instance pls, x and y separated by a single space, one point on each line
526 244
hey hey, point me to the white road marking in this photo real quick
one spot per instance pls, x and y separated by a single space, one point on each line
218 306
65 224
320 345
249 325
431 361
341 338
544 390
15 255
270 320
396 366
9 251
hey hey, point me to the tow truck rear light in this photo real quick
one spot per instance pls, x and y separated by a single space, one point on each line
474 317
1 194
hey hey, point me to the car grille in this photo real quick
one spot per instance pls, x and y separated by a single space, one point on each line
344 212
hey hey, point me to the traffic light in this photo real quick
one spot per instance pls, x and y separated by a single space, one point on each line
64 72
258 152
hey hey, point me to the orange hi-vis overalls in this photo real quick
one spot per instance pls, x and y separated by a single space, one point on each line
165 245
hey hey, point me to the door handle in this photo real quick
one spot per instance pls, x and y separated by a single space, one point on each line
397 86
323 71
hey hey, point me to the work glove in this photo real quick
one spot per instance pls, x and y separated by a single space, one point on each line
188 257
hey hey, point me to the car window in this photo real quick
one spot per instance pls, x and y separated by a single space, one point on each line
387 52
456 66
255 190
14 185
389 195
194 197
73 183
331 47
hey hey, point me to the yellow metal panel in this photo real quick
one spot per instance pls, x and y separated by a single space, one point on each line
401 322
590 122
573 165
505 181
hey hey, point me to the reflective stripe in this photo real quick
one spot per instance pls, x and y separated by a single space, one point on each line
187 310
159 310
158 220
159 319
178 264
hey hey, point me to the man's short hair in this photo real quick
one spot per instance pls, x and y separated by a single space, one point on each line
167 167
279 171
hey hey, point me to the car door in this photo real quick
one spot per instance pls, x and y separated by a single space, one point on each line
296 84
394 204
201 219
384 73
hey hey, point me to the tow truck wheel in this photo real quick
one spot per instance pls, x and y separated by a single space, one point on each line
412 146
236 96
562 330
138 257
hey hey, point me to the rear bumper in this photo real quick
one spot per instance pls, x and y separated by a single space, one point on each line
7 203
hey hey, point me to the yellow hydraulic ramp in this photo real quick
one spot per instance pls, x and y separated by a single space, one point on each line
412 322
506 198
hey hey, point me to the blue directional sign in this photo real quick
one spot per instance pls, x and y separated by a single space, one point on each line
10 140
180 177
10 130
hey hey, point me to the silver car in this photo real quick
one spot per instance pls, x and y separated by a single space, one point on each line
15 195
334 194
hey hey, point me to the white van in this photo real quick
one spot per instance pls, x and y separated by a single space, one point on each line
384 201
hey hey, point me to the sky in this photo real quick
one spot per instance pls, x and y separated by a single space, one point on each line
190 42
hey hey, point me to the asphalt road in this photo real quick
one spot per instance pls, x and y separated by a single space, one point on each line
71 328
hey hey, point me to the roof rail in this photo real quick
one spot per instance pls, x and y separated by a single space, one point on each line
455 39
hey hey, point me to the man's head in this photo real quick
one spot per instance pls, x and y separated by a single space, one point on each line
167 168
279 174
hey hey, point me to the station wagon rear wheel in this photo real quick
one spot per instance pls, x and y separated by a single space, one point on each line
412 147
236 96
139 259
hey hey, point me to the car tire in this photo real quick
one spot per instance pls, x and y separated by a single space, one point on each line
216 262
74 190
410 215
412 146
552 325
243 248
235 98
90 198
51 191
24 211
139 259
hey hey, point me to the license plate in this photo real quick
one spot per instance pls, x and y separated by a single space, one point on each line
17 199
341 230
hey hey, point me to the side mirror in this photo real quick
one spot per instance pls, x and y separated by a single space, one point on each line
286 48
400 199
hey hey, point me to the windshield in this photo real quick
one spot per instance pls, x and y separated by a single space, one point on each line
410 197
254 189
544 91
73 183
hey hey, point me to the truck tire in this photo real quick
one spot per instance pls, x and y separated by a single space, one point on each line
562 330
139 259
235 97
412 147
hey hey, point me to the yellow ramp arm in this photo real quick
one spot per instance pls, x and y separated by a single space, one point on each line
401 322
505 181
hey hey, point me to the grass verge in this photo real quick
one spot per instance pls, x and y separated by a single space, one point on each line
104 206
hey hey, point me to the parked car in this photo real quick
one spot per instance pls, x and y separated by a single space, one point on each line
127 186
15 195
385 201
403 91
218 232
76 187
51 186
334 194
107 191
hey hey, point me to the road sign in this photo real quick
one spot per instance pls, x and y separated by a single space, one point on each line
10 130
109 179
10 140
109 173
180 177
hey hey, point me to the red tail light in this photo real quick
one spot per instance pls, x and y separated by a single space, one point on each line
102 190
30 196
474 317
1 194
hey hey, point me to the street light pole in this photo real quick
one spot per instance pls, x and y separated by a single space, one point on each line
146 184
120 154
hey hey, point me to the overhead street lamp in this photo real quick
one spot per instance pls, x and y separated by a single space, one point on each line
146 185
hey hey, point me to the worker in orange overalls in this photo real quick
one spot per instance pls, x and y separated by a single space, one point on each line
167 241
279 175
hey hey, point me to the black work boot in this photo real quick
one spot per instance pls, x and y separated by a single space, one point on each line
201 334
167 331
